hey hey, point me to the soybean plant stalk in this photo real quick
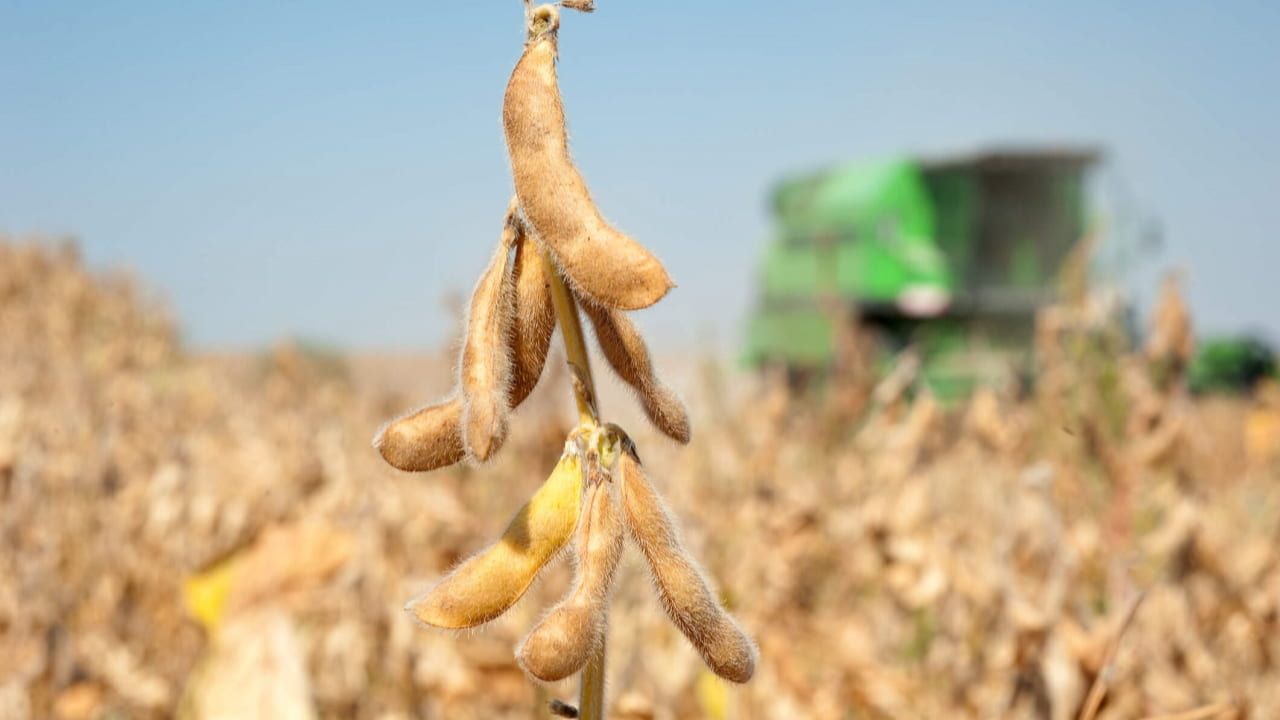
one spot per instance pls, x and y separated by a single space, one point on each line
591 695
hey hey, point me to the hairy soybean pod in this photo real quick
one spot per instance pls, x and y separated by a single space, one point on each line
486 352
533 321
682 588
605 265
624 348
564 640
425 439
488 584
431 438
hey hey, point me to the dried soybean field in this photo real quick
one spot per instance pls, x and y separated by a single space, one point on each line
177 525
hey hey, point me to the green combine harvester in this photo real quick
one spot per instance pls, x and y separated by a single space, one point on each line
953 256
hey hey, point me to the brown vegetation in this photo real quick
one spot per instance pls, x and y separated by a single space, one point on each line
917 562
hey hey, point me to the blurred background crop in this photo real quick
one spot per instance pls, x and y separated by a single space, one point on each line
975 319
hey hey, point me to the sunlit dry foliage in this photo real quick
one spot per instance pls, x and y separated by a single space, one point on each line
980 581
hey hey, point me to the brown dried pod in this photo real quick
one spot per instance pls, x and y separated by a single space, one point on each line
534 318
425 439
488 584
562 643
682 588
485 374
625 349
431 437
604 264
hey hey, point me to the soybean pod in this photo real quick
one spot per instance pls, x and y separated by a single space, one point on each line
488 584
682 587
564 640
603 264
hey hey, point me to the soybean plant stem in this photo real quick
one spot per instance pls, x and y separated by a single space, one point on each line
574 346
591 695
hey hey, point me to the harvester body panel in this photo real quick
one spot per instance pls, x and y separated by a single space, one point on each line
953 256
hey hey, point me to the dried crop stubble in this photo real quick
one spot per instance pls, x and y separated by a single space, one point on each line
1208 629
602 263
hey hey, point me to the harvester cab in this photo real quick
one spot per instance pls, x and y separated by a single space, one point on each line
953 256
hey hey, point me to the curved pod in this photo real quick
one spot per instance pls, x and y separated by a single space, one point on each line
625 349
532 322
424 439
488 584
562 643
682 588
603 264
485 374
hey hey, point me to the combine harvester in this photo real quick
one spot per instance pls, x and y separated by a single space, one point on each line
952 256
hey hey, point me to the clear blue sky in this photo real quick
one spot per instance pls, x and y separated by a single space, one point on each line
329 170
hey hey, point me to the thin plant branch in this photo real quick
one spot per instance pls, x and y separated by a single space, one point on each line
1098 691
591 697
